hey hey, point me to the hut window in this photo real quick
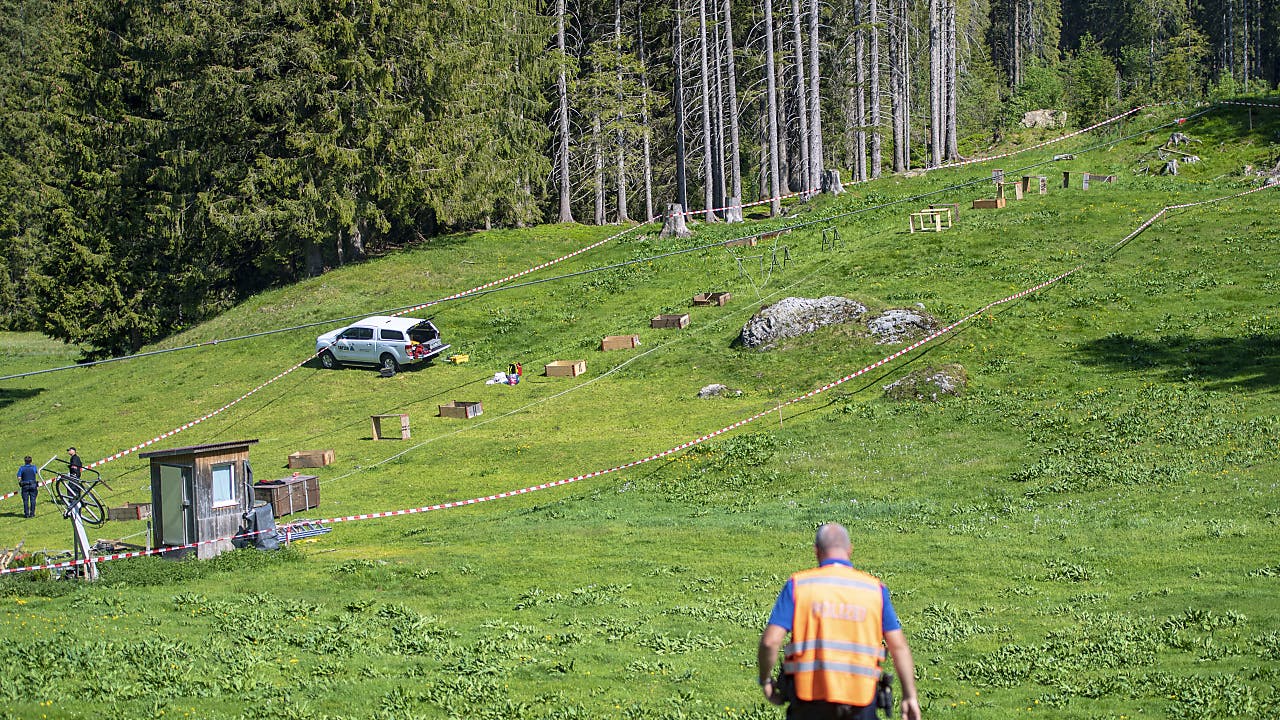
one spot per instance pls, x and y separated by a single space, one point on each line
224 485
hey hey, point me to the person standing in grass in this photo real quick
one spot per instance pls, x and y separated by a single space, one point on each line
29 482
74 464
840 620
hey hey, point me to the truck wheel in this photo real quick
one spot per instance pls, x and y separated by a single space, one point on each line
389 362
328 361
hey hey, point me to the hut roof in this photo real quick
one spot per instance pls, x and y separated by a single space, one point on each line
198 449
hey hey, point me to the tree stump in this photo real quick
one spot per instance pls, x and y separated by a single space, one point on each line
831 182
733 213
673 222
1171 167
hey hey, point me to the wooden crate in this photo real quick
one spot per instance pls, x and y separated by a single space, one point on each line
712 298
289 495
377 426
310 459
566 368
460 409
678 322
620 342
988 204
130 511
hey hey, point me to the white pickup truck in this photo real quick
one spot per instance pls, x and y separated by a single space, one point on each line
382 340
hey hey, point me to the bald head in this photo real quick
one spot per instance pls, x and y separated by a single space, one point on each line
832 542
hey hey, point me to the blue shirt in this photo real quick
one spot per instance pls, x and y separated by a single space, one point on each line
784 610
27 473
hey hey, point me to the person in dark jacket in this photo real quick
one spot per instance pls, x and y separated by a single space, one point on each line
74 463
29 481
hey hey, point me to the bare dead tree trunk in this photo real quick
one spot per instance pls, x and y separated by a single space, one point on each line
860 97
874 18
1016 44
801 99
786 106
815 100
718 122
952 141
645 130
900 77
708 204
598 176
682 172
622 139
935 85
562 119
906 83
735 150
775 190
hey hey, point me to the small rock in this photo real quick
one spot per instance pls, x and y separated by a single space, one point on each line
716 389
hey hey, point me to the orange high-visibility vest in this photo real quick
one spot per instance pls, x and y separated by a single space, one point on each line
837 642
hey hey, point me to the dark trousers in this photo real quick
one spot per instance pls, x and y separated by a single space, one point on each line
821 710
29 501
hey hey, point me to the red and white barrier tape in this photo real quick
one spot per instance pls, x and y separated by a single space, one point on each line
690 443
281 375
1152 220
1037 146
520 274
1248 104
133 553
455 296
40 484
741 205
634 463
580 251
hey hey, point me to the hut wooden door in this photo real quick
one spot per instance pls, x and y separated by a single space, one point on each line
177 493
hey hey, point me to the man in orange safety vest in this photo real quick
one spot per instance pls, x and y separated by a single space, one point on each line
840 620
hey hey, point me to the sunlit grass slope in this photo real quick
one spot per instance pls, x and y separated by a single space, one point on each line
1089 531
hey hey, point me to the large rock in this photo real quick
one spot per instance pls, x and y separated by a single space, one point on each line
900 325
1044 119
792 317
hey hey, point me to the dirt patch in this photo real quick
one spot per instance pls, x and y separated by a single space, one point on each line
792 317
929 384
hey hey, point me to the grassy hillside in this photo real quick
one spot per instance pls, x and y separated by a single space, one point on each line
1089 531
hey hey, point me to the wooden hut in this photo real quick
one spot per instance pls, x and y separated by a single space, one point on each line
199 494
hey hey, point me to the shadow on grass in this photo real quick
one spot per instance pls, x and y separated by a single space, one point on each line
9 396
1250 362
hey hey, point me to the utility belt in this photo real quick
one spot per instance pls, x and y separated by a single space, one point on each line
785 686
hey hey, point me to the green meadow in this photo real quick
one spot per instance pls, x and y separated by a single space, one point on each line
1090 530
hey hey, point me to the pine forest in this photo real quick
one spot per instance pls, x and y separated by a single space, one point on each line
161 161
